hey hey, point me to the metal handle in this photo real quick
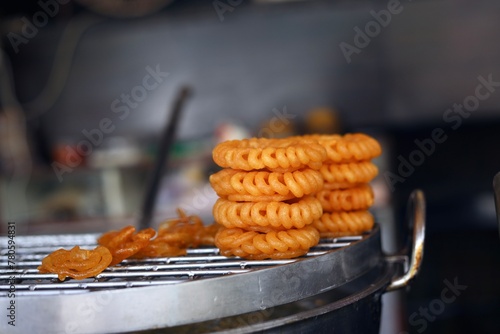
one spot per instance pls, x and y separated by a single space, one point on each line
416 220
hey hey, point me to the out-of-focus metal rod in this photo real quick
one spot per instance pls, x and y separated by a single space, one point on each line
166 143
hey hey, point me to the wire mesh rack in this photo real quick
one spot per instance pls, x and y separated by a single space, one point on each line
199 263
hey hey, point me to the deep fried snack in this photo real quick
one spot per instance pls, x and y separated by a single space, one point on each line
180 231
286 154
274 245
207 235
277 215
338 176
187 231
351 199
176 235
264 198
237 185
350 147
76 263
336 224
106 238
124 243
340 185
159 248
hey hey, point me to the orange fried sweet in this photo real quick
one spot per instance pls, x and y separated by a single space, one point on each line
280 154
341 176
207 235
337 224
180 231
351 199
276 215
176 235
253 186
159 248
125 243
76 263
350 147
254 245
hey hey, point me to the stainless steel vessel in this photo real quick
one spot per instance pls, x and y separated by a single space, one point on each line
206 292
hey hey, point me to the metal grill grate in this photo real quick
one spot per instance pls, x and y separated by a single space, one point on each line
199 263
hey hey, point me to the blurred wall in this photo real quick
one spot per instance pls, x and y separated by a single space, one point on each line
244 62
436 51
258 58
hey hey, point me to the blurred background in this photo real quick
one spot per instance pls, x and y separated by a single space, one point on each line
87 87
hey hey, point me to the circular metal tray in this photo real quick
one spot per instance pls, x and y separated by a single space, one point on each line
203 286
238 286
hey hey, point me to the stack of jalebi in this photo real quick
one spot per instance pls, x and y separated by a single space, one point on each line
267 203
347 194
277 197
